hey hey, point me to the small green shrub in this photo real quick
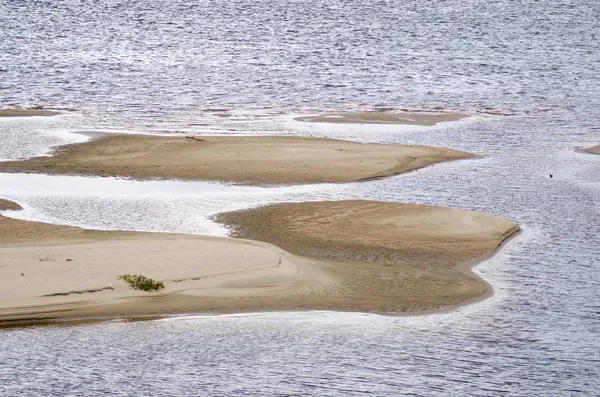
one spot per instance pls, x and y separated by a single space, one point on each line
143 283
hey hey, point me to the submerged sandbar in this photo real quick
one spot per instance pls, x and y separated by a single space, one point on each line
252 160
410 118
27 112
352 256
591 150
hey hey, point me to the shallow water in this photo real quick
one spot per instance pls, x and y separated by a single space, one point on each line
243 68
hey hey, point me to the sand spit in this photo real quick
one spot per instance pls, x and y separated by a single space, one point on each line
251 160
592 150
356 256
27 112
412 118
388 257
9 205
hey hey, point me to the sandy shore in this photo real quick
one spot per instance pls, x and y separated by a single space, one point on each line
592 150
253 160
412 118
27 112
353 256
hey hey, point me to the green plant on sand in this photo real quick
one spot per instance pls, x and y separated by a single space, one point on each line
143 283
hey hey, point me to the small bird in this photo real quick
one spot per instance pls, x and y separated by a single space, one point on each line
22 274
551 175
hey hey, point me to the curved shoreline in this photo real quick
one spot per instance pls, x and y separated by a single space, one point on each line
246 160
232 277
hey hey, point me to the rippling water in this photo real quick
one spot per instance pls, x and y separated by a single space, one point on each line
247 67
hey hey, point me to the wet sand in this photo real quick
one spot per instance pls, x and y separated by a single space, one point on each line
592 150
248 160
411 118
9 205
388 257
27 112
351 256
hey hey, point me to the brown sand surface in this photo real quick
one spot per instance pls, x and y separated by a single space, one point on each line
27 112
9 205
52 272
592 150
253 160
412 118
388 257
355 256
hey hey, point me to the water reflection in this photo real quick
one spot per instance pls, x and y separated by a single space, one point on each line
240 68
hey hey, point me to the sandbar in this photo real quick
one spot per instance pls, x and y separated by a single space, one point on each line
27 112
410 118
9 205
388 257
348 256
55 272
591 150
247 160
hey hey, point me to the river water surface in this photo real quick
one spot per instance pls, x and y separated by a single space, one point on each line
527 70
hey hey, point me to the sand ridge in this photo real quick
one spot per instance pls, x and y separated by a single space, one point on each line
248 160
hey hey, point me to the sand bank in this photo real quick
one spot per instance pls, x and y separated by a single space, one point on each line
52 272
592 150
9 205
354 256
387 257
27 112
412 118
255 160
